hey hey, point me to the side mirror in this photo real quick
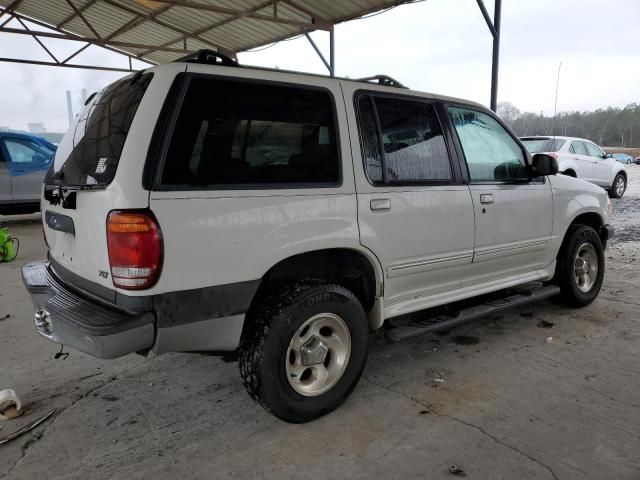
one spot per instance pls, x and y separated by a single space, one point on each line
543 165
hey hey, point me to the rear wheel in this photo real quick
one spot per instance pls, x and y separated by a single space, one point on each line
619 186
580 267
303 350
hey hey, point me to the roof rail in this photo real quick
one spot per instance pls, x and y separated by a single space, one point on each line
384 80
210 57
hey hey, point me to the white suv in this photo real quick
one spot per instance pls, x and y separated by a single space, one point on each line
583 159
201 205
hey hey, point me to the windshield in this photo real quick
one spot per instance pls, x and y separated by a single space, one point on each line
537 145
90 151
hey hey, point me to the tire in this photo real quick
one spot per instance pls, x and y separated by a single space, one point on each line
580 241
618 187
272 363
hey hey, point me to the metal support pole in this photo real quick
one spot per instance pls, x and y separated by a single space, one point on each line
315 47
496 55
332 52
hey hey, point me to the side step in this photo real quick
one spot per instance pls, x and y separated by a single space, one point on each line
447 321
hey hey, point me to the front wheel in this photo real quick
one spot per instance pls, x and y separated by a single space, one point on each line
619 186
580 266
303 350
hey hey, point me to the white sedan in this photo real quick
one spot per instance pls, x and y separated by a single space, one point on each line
581 158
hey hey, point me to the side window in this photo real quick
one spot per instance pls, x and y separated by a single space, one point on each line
579 148
242 133
490 152
19 152
593 150
412 150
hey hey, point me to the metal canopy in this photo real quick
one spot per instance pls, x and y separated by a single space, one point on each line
159 31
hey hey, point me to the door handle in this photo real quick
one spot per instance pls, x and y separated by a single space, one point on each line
486 198
378 204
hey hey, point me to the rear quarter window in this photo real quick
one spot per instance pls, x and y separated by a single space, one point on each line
242 134
89 153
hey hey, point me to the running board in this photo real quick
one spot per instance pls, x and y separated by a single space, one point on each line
449 320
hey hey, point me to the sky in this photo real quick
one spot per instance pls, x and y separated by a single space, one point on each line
439 46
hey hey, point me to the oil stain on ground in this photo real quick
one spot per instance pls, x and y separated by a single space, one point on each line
465 340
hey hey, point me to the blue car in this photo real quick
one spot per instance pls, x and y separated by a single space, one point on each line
623 158
24 160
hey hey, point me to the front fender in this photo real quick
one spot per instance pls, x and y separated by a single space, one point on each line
573 197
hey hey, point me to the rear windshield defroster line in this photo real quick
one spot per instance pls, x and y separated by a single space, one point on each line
90 151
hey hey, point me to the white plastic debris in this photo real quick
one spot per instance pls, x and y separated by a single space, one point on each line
10 404
548 340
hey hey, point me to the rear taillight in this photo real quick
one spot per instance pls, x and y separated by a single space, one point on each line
552 154
134 241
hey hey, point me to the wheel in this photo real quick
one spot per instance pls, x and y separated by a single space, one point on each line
303 350
580 266
619 186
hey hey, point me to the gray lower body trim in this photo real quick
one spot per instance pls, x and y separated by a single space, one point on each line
217 334
209 318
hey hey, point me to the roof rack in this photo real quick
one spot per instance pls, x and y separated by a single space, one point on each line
209 57
384 80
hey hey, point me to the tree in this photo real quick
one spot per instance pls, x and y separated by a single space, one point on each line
508 112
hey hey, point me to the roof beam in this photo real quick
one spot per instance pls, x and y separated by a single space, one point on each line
82 17
134 23
67 65
315 18
95 41
211 27
155 20
75 14
244 14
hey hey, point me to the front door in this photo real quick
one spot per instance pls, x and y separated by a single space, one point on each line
601 167
414 212
582 161
5 182
513 212
27 162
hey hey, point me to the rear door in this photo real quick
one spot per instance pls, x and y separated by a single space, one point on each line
583 163
414 212
513 212
27 162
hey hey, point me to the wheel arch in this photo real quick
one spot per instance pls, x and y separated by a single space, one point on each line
357 270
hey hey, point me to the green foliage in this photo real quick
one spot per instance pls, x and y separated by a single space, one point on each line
613 127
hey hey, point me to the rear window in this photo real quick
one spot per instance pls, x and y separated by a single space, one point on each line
238 134
90 151
537 145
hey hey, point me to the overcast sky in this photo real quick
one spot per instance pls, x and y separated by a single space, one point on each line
440 46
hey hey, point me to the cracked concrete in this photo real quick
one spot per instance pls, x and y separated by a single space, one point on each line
509 407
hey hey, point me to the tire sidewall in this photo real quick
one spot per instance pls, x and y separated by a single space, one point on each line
614 193
278 394
579 236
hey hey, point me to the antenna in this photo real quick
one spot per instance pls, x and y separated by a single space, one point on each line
555 107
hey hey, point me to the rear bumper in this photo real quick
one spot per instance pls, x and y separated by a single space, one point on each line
66 317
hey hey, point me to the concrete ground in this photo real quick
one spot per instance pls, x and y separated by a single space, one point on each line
510 406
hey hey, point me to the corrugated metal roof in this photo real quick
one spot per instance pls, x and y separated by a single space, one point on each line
162 30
